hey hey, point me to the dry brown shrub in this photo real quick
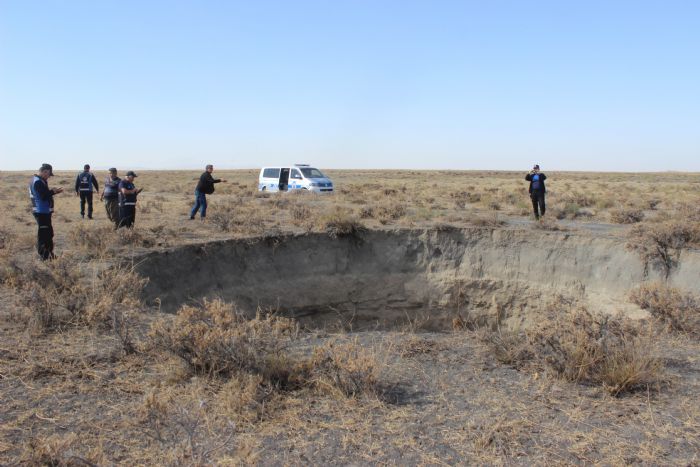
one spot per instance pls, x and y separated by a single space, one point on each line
626 216
345 368
340 223
389 212
179 420
69 292
463 197
244 397
51 451
231 217
660 244
214 339
300 213
583 348
679 311
91 241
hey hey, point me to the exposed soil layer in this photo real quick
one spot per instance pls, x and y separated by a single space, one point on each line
428 277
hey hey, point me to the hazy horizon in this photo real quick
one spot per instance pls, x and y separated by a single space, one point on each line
446 85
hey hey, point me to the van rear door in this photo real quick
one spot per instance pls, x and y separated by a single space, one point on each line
284 179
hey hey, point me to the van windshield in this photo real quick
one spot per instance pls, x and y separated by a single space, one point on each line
312 173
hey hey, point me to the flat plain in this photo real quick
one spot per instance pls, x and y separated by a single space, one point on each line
411 317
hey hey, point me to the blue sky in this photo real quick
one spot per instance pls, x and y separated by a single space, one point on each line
594 85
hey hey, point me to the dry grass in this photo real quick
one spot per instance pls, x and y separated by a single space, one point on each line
346 368
626 216
72 395
216 340
69 292
660 244
678 310
340 223
583 348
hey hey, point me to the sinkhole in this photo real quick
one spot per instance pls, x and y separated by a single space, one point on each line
386 278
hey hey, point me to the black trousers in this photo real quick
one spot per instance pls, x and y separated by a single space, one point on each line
537 197
127 216
86 196
44 237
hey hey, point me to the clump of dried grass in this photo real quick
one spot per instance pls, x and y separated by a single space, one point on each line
69 292
340 223
90 241
345 368
660 244
583 348
55 450
626 216
679 311
237 218
216 340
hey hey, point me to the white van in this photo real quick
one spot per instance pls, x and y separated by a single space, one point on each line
294 177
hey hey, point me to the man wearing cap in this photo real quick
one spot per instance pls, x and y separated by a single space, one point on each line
537 190
127 200
83 188
42 208
205 187
110 195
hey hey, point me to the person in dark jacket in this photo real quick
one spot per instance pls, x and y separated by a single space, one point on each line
537 190
83 188
127 200
205 187
110 196
42 209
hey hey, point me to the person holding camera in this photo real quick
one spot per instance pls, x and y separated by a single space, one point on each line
537 190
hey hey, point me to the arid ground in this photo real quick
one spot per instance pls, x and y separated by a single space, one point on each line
409 318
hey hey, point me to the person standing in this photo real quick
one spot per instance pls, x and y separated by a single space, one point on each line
537 190
83 188
205 187
110 196
42 209
127 200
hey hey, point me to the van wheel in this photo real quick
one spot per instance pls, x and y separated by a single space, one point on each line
264 188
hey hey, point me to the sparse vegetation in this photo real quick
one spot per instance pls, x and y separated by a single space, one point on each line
345 367
340 223
216 340
660 244
627 216
88 377
678 310
584 348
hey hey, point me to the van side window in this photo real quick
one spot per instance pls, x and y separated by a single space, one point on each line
271 173
296 174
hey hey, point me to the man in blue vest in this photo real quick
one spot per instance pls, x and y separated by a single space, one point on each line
42 208
537 190
127 200
83 188
110 195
